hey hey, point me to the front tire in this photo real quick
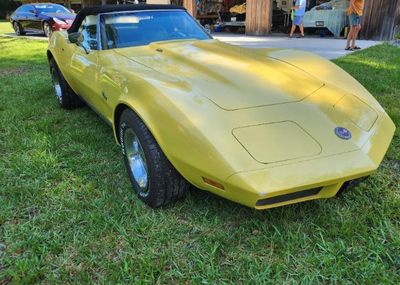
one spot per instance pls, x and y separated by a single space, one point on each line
18 29
47 29
153 177
66 97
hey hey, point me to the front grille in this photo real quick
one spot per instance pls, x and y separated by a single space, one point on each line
288 197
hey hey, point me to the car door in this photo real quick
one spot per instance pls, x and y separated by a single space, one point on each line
31 18
35 20
84 63
22 16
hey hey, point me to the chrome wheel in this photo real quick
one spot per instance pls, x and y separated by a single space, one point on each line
136 159
153 178
47 29
56 85
16 28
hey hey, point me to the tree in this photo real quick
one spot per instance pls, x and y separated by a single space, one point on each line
7 7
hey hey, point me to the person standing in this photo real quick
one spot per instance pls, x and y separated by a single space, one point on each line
299 9
355 12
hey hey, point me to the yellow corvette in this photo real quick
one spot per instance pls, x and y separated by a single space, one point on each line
262 127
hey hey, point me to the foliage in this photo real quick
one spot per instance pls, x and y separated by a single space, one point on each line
7 7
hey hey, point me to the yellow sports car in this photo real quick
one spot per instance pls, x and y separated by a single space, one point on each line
262 127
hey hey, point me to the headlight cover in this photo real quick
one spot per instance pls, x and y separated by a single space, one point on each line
58 21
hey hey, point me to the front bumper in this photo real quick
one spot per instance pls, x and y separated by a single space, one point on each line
294 182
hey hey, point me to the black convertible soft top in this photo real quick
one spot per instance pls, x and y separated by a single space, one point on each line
94 10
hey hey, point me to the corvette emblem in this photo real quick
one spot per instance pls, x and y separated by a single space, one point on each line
343 133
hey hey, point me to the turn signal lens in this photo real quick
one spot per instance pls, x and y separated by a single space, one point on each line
213 183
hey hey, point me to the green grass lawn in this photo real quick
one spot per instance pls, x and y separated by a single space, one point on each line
68 214
5 27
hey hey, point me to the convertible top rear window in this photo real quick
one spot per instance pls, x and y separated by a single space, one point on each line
144 27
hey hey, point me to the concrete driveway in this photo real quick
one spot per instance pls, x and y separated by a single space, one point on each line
326 47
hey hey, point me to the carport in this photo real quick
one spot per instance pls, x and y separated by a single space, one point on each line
381 17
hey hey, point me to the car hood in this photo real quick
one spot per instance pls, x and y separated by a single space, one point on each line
62 16
231 77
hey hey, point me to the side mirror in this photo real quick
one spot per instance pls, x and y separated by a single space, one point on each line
74 37
33 12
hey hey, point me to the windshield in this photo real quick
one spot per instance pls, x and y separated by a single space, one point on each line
144 27
53 8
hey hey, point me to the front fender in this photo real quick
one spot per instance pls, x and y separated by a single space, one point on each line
61 50
179 127
324 70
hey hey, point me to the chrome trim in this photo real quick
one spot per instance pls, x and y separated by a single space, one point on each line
136 159
98 34
56 85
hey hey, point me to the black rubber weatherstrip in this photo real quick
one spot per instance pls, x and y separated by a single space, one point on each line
288 197
94 10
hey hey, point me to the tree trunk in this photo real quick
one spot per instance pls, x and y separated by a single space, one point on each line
379 20
397 20
67 3
258 17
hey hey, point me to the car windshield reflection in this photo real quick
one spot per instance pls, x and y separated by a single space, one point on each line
144 27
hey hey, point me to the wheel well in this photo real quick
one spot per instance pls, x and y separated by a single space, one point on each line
49 55
117 115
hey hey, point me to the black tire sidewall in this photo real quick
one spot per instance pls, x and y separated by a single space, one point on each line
17 32
68 100
44 29
130 121
165 184
53 66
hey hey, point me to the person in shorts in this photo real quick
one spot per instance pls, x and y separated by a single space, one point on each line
355 13
299 9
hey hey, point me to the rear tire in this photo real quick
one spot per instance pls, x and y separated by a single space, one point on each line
18 29
153 177
66 97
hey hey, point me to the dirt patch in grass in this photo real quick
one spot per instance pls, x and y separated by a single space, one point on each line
14 71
